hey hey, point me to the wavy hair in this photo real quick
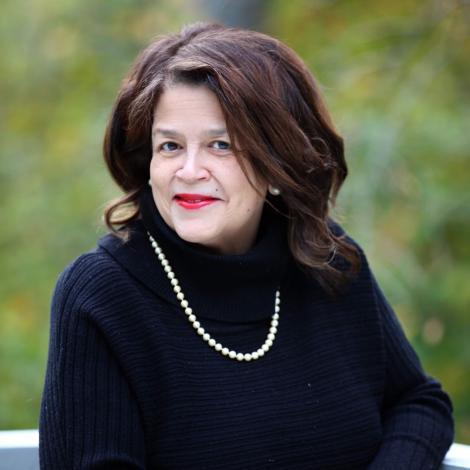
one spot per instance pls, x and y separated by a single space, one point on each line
274 113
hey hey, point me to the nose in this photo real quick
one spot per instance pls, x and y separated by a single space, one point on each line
193 167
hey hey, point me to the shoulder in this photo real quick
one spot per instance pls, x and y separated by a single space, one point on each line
114 270
340 262
101 264
86 274
362 287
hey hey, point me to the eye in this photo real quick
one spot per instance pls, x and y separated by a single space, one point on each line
220 145
168 146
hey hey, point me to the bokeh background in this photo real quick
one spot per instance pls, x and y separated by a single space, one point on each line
395 76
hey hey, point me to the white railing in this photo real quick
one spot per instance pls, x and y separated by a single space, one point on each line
19 451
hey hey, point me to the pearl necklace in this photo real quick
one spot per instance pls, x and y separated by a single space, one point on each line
201 331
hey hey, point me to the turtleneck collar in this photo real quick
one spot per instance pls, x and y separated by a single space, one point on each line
232 288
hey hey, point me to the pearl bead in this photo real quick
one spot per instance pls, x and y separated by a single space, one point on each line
197 326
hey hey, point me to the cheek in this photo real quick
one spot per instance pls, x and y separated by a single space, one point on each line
248 199
160 176
237 183
153 170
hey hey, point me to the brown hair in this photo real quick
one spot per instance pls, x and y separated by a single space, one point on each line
274 112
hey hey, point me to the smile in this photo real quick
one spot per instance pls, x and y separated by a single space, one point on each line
194 201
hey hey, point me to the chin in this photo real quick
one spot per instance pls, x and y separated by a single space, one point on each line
195 234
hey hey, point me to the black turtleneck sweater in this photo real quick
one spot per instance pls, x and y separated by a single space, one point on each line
131 385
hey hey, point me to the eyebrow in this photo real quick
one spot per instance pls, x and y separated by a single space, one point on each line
215 132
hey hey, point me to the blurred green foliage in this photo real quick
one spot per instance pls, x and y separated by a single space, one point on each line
395 75
396 79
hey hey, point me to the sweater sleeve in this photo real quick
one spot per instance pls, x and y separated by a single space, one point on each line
89 417
417 414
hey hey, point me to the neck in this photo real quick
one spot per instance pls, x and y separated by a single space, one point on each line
228 287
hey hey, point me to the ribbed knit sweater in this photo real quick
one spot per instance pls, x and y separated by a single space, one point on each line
131 385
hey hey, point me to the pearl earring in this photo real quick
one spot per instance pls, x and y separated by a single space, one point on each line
150 182
274 191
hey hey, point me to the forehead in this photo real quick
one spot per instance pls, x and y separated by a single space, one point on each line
180 104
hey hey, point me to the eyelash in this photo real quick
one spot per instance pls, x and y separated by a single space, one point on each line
222 142
161 147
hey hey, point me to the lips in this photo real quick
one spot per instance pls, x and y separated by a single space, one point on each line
194 201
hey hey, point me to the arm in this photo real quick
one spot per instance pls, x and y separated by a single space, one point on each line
89 417
417 414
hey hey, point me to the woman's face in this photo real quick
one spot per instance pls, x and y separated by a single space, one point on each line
198 185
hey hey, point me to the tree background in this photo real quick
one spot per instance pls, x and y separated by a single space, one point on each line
395 75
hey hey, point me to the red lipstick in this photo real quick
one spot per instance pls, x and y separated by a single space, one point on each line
194 201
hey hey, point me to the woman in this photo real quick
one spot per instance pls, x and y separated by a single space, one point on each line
227 322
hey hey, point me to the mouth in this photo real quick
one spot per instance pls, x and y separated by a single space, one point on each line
194 201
